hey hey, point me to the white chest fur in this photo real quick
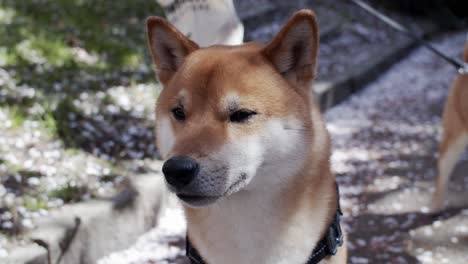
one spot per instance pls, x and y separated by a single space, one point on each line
246 228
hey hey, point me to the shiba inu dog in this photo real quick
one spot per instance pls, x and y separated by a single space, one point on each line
246 149
455 134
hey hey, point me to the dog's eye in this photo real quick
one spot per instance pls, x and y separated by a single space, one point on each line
178 113
241 116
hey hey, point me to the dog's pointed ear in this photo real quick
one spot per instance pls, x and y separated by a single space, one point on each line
168 46
293 52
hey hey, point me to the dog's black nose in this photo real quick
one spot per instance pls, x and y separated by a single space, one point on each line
180 171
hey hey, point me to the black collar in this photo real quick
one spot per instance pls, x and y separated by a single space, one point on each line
327 246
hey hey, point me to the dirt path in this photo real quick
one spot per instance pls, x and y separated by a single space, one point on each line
385 149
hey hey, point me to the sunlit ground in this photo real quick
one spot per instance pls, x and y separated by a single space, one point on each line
386 147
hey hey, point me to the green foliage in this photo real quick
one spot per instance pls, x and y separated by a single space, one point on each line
62 48
61 121
69 193
43 32
17 116
34 203
47 121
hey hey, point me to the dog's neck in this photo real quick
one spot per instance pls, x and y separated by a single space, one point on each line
278 224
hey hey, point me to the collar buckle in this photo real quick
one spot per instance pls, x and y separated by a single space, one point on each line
335 235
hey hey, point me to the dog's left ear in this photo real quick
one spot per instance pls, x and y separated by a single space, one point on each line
293 52
168 46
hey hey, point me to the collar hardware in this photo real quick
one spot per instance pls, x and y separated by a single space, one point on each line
335 235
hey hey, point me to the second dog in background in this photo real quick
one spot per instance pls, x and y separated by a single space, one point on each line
455 135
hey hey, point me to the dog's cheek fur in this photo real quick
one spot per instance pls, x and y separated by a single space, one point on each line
242 155
164 136
286 145
265 157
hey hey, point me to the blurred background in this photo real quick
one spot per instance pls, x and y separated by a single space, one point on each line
77 95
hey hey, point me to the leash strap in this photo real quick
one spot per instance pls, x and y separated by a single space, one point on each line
461 66
326 247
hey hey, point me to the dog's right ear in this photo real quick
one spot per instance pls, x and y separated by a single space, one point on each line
293 52
168 46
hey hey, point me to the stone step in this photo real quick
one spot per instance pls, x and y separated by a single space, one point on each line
101 227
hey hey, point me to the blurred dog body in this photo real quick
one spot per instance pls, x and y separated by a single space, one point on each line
207 22
455 134
246 149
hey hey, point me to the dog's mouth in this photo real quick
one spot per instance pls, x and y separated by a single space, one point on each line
236 186
197 200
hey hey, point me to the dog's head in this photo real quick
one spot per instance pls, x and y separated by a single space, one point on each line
233 118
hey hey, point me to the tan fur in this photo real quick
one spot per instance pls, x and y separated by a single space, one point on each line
455 135
465 52
273 218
